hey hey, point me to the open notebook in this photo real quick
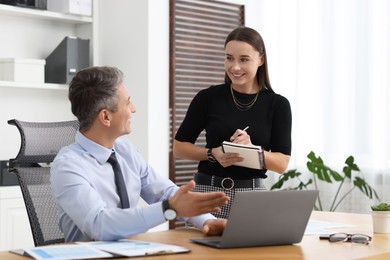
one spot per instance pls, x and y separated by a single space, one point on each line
250 153
264 218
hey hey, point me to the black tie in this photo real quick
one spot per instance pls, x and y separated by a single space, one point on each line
119 181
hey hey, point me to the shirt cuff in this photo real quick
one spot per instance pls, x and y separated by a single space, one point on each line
199 221
153 215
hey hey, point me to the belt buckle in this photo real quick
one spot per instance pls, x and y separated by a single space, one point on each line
231 181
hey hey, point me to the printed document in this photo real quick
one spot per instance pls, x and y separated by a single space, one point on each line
126 247
102 249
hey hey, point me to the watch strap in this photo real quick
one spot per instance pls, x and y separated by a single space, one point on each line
210 156
165 205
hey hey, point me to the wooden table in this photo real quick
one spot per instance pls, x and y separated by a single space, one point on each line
310 247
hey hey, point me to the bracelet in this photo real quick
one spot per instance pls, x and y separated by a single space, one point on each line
262 159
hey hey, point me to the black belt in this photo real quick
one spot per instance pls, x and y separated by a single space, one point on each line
227 182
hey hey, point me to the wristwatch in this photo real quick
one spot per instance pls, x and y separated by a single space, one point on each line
210 156
169 214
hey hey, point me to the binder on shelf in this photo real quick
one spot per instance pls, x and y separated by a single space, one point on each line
39 4
70 56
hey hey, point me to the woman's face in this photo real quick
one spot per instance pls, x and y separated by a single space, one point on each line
241 64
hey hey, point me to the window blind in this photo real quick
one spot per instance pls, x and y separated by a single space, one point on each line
198 29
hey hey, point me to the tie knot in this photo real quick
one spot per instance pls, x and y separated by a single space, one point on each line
112 159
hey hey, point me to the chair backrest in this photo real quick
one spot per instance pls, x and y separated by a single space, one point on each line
40 143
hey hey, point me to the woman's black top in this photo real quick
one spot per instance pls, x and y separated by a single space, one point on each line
213 109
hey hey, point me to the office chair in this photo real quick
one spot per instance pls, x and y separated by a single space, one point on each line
40 143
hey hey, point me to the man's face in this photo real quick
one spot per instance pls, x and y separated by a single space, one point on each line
121 119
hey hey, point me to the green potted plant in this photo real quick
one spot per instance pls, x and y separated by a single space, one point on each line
323 173
381 217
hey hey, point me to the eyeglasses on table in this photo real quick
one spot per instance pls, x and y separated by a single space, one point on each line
345 237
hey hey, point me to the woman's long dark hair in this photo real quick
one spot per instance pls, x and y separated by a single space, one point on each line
252 37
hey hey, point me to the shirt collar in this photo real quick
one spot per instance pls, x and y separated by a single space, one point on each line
100 153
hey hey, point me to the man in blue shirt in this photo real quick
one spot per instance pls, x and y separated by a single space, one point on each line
83 181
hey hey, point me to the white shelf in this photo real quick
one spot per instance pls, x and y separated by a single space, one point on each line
13 84
43 14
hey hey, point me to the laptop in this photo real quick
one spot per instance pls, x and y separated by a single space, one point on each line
265 218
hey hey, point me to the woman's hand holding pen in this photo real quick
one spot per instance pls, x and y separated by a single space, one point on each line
241 137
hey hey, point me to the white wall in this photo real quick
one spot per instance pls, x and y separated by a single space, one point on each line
158 82
26 105
123 43
134 36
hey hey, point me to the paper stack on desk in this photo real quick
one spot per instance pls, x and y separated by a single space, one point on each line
103 249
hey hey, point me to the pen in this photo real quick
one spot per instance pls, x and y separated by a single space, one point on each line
232 139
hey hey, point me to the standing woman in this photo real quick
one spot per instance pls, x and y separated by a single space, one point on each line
224 111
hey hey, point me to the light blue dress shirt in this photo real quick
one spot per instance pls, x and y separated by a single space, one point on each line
84 188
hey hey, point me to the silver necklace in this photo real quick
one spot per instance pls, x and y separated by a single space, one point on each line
243 106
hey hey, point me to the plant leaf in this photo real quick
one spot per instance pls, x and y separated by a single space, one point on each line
350 162
347 171
383 206
302 185
350 166
365 188
291 174
316 165
324 173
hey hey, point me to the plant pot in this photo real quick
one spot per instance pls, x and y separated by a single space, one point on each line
381 221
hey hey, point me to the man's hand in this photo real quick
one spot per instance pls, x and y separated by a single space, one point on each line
188 203
213 227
